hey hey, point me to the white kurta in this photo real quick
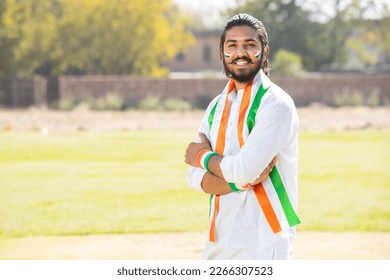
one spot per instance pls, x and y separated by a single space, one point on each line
241 227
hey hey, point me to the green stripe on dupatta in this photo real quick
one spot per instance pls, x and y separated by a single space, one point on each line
211 115
288 210
250 121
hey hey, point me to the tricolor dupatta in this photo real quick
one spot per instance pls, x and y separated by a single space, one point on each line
277 209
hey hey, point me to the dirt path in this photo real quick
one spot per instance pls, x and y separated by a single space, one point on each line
188 246
311 118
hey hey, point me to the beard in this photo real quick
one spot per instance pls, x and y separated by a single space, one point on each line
244 75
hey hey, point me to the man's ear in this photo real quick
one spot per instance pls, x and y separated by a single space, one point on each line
266 52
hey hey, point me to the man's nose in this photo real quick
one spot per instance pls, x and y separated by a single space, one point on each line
241 51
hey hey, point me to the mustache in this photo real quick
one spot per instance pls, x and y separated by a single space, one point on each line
247 59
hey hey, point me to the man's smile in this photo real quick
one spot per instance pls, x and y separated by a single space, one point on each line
242 62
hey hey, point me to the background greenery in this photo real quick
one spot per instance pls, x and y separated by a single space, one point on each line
324 36
80 183
138 37
53 37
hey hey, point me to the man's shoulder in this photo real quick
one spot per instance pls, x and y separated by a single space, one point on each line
277 96
215 100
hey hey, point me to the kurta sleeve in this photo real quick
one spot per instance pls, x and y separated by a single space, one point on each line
195 174
271 133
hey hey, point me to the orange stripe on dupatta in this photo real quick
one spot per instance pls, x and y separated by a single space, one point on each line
212 225
220 146
266 205
243 108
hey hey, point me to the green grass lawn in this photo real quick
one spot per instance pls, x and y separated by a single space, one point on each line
80 183
344 180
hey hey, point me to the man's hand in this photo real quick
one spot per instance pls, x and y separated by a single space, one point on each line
265 173
193 150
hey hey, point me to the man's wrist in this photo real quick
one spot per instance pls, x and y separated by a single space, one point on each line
203 159
200 156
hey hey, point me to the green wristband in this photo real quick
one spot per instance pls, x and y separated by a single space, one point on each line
206 161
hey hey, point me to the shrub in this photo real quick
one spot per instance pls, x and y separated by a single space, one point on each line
373 99
172 104
153 103
111 102
68 103
286 63
346 97
150 103
340 99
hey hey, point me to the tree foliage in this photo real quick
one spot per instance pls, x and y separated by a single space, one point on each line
285 21
318 38
9 36
286 63
52 37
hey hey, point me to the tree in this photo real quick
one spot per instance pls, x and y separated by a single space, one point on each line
126 37
286 63
375 32
38 21
287 24
349 29
323 39
9 36
96 36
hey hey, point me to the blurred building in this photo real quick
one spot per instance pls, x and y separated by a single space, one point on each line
203 56
202 59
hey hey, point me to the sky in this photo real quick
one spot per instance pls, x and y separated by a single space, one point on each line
211 8
206 4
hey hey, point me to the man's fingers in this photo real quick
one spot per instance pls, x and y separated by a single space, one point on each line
203 138
272 164
265 172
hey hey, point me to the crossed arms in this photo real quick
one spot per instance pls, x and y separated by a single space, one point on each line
256 157
214 182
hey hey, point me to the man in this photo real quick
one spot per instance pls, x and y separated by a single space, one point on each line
247 129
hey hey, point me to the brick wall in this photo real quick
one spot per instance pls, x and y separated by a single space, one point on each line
19 93
322 87
304 90
134 89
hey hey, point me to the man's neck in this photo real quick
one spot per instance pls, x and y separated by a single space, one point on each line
240 85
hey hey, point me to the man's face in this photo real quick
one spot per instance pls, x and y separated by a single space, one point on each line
242 53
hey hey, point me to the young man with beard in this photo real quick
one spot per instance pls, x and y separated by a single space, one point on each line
247 129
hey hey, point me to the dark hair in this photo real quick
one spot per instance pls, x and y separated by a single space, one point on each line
248 20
